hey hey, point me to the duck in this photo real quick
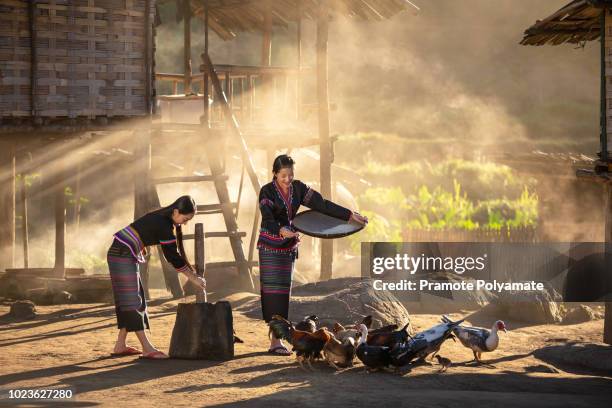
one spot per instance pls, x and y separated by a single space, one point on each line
373 357
478 339
424 343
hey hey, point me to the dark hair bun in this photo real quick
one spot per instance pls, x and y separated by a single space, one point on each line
281 162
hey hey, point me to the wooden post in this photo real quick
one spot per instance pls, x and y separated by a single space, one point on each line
187 45
206 118
298 92
266 61
266 45
606 110
24 220
13 202
200 260
60 222
142 203
607 335
77 203
149 71
327 248
8 175
250 101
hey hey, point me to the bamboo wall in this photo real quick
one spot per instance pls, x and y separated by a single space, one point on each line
89 58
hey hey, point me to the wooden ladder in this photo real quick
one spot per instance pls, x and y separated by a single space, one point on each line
226 207
217 176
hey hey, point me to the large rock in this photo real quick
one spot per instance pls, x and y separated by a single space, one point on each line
45 296
537 307
346 300
575 357
452 301
23 310
579 314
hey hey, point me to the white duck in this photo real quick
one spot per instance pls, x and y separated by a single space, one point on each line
477 339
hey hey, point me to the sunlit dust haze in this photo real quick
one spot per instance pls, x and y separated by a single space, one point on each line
450 82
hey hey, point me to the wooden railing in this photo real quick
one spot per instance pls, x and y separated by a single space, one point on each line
255 94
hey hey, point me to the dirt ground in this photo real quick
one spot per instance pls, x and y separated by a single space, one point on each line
67 347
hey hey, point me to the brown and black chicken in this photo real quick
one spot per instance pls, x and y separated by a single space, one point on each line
307 346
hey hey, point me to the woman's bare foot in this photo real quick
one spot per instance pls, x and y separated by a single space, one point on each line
120 347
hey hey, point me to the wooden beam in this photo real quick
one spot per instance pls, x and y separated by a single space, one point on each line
327 249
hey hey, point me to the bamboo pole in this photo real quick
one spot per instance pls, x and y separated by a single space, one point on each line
327 248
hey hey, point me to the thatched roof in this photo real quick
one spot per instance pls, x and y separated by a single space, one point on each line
576 22
229 17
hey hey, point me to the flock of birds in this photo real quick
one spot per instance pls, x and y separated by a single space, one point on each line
387 348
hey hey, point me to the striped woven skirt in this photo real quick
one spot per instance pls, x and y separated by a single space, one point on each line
130 301
275 274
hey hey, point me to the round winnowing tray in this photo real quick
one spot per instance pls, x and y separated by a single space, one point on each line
319 225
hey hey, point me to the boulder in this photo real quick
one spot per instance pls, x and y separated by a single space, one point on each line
23 310
579 314
537 307
346 300
45 296
577 357
452 301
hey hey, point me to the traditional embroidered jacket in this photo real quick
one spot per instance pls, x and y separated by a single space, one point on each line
278 211
152 229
